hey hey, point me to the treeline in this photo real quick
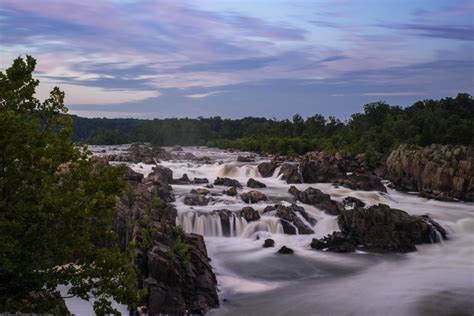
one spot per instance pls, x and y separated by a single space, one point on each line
380 128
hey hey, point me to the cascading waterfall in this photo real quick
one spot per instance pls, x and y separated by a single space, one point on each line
210 224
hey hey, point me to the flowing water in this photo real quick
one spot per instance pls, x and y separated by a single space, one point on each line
438 279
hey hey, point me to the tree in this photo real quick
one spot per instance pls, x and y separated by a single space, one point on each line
56 206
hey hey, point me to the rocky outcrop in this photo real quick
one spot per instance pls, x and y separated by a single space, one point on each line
442 172
252 183
317 198
249 214
268 243
291 222
284 250
335 242
183 180
159 183
249 158
224 215
171 265
290 172
195 199
228 182
232 191
137 153
321 170
266 169
352 202
363 182
253 197
381 228
200 181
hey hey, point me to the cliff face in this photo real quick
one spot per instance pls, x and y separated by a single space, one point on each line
442 172
172 265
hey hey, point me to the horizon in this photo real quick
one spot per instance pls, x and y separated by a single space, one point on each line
235 59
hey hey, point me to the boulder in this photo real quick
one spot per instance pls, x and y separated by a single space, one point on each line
130 175
353 202
245 158
363 182
195 199
444 172
249 214
268 243
200 191
269 208
200 180
228 182
232 191
285 251
163 173
335 242
266 169
290 172
317 198
225 215
183 180
252 183
291 222
381 228
314 171
253 197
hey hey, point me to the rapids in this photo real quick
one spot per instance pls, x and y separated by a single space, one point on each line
438 279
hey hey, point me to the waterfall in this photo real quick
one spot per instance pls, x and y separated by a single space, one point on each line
211 224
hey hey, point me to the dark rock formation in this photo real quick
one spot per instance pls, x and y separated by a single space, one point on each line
381 228
253 197
364 182
183 180
440 172
252 183
200 180
269 208
321 170
245 158
317 198
353 202
290 221
141 153
335 242
130 175
195 199
224 215
266 169
285 251
158 183
200 191
228 182
290 172
232 191
249 214
268 243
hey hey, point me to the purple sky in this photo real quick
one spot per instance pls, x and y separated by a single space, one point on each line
274 58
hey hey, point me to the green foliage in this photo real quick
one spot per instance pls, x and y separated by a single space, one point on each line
180 249
56 205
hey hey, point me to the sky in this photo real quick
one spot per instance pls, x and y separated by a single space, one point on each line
272 58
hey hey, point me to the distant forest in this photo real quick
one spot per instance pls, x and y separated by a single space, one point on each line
379 129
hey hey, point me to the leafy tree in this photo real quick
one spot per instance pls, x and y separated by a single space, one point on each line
56 206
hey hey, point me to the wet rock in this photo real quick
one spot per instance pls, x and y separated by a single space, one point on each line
252 183
210 186
177 148
266 169
291 222
158 183
224 215
381 228
290 172
364 182
335 242
130 175
196 199
269 208
442 172
353 202
317 198
321 170
285 251
249 214
165 174
268 243
245 158
253 197
183 180
227 182
232 191
200 180
200 191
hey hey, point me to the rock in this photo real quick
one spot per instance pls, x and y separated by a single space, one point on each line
183 180
335 242
266 169
200 191
228 182
165 174
290 221
322 170
364 182
252 183
268 243
210 186
443 172
130 175
285 251
353 202
269 208
245 158
381 228
232 191
200 180
224 215
177 148
290 172
196 199
253 197
249 214
317 198
158 183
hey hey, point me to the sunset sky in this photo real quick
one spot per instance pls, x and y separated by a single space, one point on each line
273 58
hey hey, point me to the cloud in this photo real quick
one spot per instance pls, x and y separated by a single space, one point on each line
394 94
203 95
454 32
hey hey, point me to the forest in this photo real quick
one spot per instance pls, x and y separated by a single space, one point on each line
379 128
